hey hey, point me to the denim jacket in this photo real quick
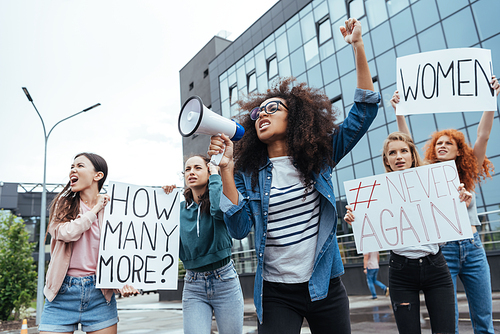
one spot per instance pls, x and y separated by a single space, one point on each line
253 204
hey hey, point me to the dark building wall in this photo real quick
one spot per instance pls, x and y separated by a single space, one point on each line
8 195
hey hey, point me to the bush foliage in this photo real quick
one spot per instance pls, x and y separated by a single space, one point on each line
18 276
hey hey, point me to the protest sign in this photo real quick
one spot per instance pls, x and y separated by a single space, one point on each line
450 80
416 206
139 242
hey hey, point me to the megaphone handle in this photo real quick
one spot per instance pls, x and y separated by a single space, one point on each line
217 158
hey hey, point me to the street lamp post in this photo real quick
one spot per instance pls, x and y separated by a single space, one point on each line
41 248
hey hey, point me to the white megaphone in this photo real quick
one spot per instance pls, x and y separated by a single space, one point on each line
196 118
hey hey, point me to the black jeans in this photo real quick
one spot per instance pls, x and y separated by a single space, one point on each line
286 305
430 274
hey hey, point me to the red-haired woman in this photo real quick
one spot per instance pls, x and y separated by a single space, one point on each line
466 258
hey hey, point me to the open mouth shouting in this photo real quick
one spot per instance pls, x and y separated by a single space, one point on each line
264 124
73 180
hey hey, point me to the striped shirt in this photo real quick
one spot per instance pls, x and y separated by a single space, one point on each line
292 229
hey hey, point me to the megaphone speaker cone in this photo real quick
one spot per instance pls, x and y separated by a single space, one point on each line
190 116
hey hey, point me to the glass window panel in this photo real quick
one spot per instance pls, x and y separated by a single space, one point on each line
395 6
490 190
311 53
421 126
268 40
252 82
242 77
376 12
292 21
249 64
308 27
493 148
226 110
272 68
373 69
403 19
361 151
270 49
284 68
231 79
280 31
223 76
379 119
459 29
367 41
233 94
335 183
224 90
346 60
338 108
235 109
321 10
298 63
305 10
446 7
392 127
432 39
281 47
294 37
378 164
314 77
425 14
382 36
387 94
325 31
386 65
262 83
260 63
407 48
485 13
258 48
249 55
377 137
356 8
333 90
326 50
494 45
302 77
231 70
448 120
348 84
345 174
240 63
363 169
337 9
329 67
337 36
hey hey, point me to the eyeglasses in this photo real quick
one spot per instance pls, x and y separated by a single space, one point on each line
270 108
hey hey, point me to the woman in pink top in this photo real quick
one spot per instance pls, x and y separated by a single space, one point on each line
76 216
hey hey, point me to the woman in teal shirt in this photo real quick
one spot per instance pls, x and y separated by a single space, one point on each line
211 284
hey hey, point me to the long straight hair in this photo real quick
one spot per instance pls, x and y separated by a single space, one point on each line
205 197
66 205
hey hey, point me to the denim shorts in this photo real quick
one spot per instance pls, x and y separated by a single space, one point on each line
78 301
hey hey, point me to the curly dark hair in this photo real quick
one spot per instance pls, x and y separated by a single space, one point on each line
311 123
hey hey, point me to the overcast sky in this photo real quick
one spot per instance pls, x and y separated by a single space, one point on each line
123 54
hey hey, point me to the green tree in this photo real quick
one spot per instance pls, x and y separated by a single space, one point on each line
18 276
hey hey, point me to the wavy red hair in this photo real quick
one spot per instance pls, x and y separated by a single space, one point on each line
466 161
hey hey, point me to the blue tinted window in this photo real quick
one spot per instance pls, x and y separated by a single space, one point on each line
367 41
459 29
292 21
344 174
386 65
494 45
432 39
308 27
490 190
260 63
311 53
493 148
338 108
448 120
380 119
485 13
252 82
326 50
224 90
377 137
387 94
272 68
394 6
378 165
422 126
407 48
294 37
375 10
325 31
337 9
270 49
281 47
305 10
321 10
226 109
337 36
346 60
345 161
314 78
363 169
333 90
446 7
284 68
356 8
382 37
361 151
403 19
348 84
262 83
249 64
425 13
297 62
329 67
302 77
242 77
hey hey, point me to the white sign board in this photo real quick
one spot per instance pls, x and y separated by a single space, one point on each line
139 242
450 80
417 206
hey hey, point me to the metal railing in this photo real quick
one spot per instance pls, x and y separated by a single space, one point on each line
246 261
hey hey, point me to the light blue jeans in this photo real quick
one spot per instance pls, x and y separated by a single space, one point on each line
217 291
371 279
467 260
